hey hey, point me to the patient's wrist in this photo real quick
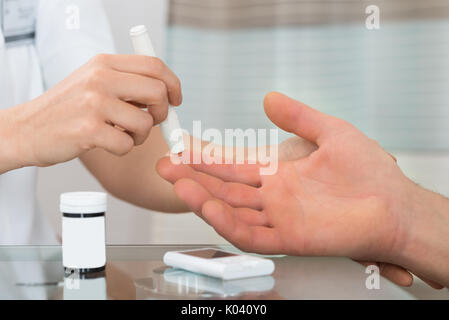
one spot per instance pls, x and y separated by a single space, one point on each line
425 248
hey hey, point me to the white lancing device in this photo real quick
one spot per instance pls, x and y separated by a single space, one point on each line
170 127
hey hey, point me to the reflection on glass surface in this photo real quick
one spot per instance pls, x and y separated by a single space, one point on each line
176 283
137 272
90 286
29 279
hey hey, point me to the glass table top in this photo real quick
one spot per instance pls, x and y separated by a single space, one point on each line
137 272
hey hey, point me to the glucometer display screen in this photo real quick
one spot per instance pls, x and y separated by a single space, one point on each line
209 254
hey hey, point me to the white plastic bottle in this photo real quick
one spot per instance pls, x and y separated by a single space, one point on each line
83 231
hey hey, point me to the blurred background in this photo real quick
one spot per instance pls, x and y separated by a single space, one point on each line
392 83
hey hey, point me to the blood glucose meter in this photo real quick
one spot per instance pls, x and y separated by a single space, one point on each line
219 264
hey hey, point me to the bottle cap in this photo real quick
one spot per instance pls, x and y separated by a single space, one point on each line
83 202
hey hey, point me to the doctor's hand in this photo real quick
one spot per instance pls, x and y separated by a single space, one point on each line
98 106
347 198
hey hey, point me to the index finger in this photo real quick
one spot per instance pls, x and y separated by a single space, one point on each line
147 66
246 172
240 173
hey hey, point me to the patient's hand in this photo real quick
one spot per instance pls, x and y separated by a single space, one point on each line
343 199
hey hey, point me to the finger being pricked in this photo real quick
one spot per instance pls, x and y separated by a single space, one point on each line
235 194
195 196
244 173
212 160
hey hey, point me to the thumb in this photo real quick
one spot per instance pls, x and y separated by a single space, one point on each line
296 117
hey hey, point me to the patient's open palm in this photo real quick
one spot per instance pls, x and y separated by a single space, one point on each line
336 201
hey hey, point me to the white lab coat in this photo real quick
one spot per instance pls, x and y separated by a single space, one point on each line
25 72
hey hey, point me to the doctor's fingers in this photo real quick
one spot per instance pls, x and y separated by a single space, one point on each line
113 140
136 122
140 90
149 67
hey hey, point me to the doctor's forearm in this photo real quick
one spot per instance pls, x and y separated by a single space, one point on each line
133 177
10 155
